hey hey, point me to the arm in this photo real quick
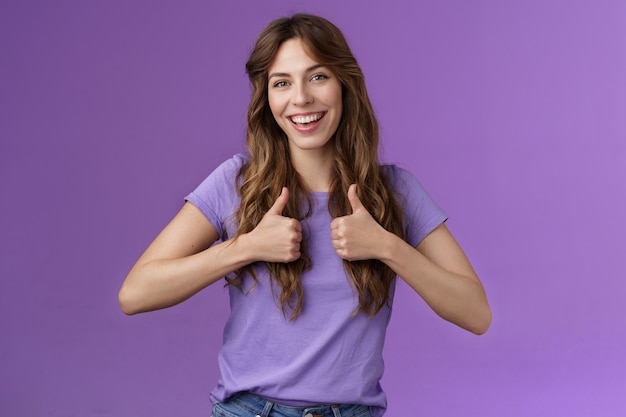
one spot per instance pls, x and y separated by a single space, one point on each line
181 261
437 269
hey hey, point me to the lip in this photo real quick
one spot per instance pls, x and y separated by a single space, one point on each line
309 127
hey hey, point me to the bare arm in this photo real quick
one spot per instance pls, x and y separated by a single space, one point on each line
437 269
181 261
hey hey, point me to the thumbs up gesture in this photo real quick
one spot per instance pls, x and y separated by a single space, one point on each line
355 236
277 238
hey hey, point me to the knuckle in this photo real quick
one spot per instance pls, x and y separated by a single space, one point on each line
293 237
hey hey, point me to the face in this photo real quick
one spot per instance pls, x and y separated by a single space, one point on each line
305 98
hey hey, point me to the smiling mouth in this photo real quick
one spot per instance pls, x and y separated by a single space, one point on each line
305 120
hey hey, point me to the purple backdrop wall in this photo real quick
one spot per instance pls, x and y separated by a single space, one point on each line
512 114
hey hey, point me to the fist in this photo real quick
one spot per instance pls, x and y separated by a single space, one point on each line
355 236
277 238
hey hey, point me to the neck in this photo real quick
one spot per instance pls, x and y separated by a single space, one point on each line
315 167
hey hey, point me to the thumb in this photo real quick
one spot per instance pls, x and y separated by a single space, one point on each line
280 203
355 202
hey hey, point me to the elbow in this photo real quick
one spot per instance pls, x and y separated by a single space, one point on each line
127 302
482 323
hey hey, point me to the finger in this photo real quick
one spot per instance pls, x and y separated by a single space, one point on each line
355 202
338 223
297 237
280 203
296 255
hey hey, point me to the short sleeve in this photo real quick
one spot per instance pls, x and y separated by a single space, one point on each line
421 213
217 198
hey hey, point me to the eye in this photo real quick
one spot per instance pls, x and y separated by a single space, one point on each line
319 77
280 84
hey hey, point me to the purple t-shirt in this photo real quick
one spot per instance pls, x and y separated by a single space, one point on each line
326 355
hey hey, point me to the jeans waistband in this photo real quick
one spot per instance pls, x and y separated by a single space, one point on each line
263 407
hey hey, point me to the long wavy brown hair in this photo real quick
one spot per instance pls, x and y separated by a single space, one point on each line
355 142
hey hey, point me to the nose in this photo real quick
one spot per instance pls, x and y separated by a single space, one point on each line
302 95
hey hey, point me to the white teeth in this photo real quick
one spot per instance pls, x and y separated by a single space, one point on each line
307 119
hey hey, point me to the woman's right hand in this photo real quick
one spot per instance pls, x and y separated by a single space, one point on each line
182 260
276 238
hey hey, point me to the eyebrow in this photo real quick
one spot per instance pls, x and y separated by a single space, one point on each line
284 74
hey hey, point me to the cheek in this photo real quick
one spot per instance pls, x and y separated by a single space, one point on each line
337 102
334 98
275 105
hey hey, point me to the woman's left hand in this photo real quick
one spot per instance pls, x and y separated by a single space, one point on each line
437 269
355 236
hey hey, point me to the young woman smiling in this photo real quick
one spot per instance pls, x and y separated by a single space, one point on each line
314 231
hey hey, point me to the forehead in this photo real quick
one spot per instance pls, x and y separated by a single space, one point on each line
292 57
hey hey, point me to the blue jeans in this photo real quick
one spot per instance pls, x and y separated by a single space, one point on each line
246 404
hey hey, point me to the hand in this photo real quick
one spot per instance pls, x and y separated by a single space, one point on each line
276 238
356 236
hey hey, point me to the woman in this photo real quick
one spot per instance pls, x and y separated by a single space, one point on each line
312 232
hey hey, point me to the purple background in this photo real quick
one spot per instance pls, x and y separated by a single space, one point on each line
512 114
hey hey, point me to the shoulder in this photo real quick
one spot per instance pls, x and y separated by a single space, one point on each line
217 195
232 165
421 212
400 179
394 171
226 172
221 181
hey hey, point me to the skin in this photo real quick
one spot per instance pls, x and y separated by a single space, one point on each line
181 261
437 268
298 87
